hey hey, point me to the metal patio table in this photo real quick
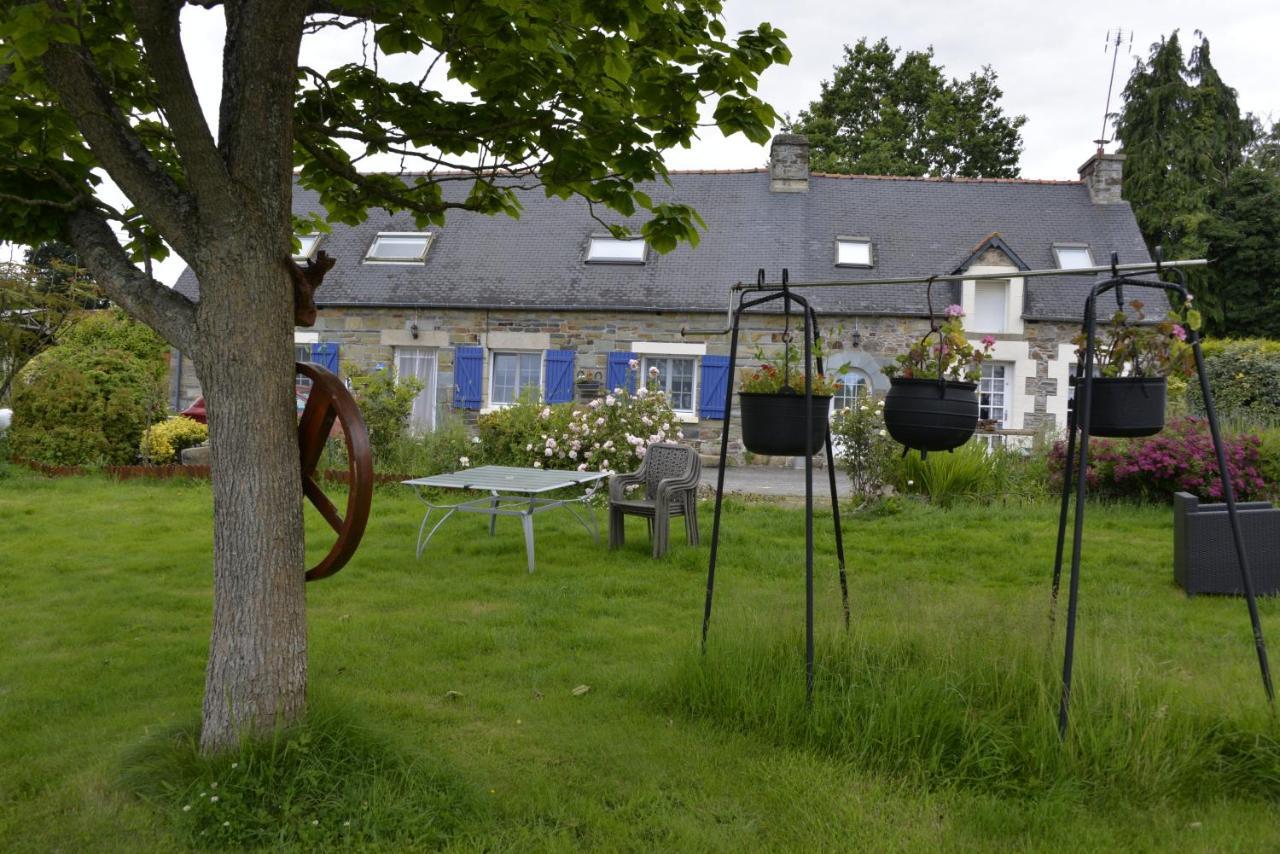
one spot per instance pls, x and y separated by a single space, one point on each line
513 491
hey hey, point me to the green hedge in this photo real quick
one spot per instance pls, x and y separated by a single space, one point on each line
87 400
1245 377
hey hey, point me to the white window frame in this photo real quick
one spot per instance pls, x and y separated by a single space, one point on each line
1075 247
492 364
427 396
599 246
680 350
864 383
1006 392
697 369
307 253
985 284
859 242
428 238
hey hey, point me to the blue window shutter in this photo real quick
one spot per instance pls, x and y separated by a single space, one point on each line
468 373
715 386
557 385
326 355
620 374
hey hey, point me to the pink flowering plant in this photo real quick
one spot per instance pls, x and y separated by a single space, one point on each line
1130 346
946 353
609 434
1181 459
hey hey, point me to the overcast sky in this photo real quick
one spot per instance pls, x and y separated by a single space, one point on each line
1049 60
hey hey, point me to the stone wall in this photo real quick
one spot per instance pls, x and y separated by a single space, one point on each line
367 338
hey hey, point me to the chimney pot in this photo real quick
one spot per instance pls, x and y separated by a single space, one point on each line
1104 175
789 163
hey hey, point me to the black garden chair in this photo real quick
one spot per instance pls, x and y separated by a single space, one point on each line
665 485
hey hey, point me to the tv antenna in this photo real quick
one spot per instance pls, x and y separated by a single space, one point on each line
1115 39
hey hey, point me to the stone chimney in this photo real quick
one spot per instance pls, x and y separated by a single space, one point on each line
1103 174
789 163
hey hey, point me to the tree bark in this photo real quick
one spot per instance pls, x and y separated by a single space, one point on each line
257 673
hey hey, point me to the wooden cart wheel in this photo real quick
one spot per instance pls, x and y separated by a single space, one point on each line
329 401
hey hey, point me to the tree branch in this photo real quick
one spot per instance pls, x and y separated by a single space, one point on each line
163 309
126 159
259 64
158 24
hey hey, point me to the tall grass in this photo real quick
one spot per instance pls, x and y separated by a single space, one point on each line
972 710
972 472
328 783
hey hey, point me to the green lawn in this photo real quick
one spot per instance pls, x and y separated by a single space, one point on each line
932 727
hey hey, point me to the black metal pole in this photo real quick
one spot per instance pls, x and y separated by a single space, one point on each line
831 476
1067 471
724 454
808 505
1237 536
1084 394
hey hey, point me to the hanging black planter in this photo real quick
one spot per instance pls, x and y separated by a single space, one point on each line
1126 407
774 424
928 416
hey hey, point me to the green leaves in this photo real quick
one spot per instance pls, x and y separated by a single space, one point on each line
880 116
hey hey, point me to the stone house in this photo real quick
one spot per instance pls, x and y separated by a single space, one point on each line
484 308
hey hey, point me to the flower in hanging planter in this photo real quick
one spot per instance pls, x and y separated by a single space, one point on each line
787 371
951 356
1131 346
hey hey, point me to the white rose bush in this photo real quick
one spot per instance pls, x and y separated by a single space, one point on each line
609 434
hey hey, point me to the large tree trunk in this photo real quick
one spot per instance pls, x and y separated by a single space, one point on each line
257 672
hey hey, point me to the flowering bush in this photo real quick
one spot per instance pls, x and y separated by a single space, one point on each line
787 371
1181 459
952 357
611 433
1129 347
162 443
863 447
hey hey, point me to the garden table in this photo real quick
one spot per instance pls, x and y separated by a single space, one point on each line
513 491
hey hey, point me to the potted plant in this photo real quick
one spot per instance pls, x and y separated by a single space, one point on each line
772 402
932 403
1133 360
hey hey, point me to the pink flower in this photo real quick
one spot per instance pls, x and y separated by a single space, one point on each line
1179 332
988 341
955 310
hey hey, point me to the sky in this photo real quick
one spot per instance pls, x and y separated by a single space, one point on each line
1049 59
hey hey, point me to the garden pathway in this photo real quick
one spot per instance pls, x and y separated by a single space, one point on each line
773 480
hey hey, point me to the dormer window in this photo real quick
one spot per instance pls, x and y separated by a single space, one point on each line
611 250
854 252
1072 256
399 247
307 244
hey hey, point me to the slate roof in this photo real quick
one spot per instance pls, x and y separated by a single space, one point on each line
918 227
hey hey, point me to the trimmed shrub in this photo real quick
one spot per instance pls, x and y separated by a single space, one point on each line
163 442
75 407
1245 377
1181 459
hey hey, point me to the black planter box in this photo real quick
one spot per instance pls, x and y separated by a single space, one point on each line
774 424
1204 554
1126 407
926 416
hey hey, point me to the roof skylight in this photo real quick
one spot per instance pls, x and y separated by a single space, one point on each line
853 252
399 247
611 250
1072 256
